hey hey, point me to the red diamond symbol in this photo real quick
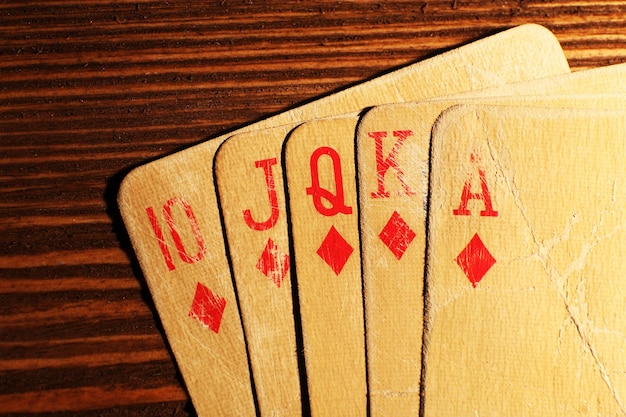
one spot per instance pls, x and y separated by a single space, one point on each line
475 260
397 235
207 307
334 250
273 263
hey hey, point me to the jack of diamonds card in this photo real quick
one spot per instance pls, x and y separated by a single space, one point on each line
524 283
250 189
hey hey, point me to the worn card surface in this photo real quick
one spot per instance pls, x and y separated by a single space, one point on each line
325 239
392 152
251 193
171 212
524 280
607 79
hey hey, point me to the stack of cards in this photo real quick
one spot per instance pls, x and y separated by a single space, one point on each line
443 240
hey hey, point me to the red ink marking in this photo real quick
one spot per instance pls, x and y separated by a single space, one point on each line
266 164
207 307
335 251
158 232
397 235
383 164
182 252
484 195
160 239
475 260
336 201
273 263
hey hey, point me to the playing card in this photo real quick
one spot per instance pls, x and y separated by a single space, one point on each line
523 287
171 212
392 157
251 194
325 239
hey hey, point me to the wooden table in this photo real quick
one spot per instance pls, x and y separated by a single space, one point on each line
91 89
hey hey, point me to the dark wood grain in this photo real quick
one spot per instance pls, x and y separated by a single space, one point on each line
90 89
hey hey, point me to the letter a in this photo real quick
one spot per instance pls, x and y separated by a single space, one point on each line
484 195
266 164
336 201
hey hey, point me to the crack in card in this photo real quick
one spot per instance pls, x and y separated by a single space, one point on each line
523 284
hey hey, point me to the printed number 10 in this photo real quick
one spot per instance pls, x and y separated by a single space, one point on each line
171 225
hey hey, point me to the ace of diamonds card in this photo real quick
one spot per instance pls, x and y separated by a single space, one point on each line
525 288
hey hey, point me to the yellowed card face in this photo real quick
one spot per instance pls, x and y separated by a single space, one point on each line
392 152
609 79
325 238
524 281
392 157
251 193
171 212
